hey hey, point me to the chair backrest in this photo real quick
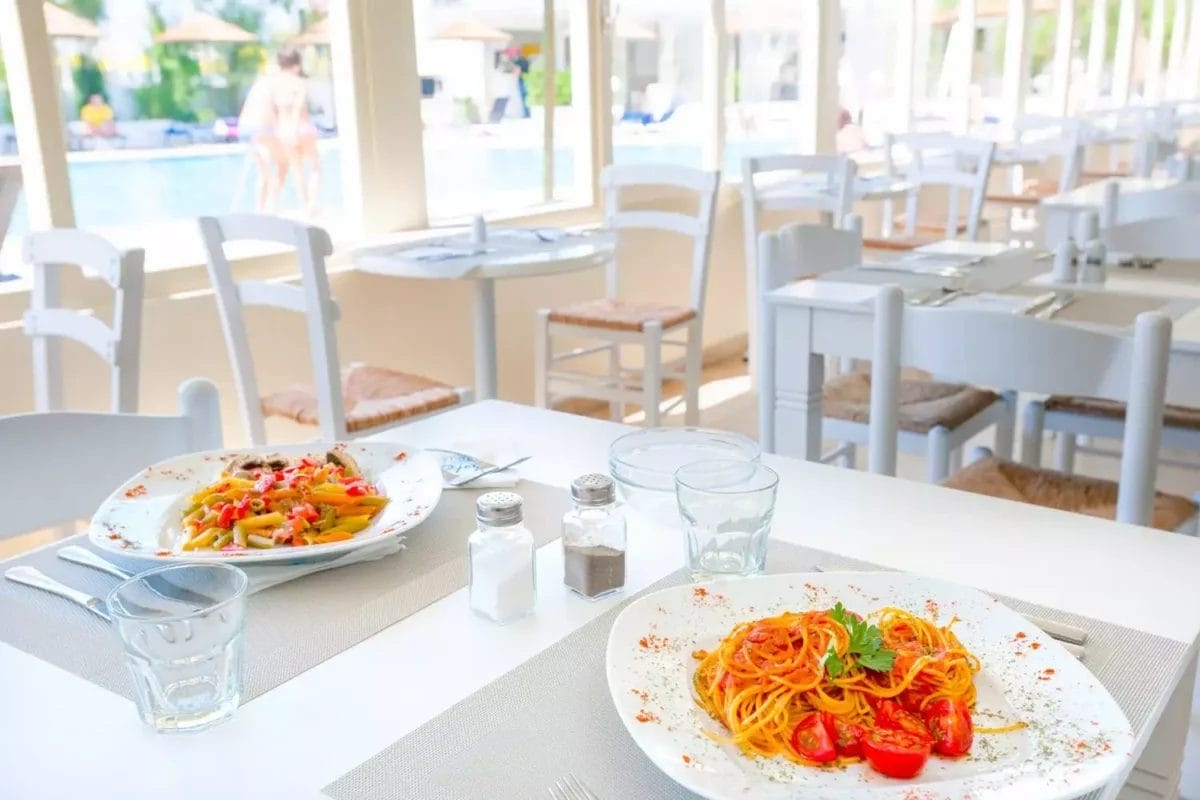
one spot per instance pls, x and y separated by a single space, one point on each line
1125 208
1160 235
62 464
798 251
311 298
942 159
1054 137
1027 354
617 179
46 321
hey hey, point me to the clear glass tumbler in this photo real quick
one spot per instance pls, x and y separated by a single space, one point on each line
726 508
181 629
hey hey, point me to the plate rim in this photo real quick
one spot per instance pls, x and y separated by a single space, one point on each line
900 791
98 539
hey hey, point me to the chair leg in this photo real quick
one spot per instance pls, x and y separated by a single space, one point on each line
1064 452
695 352
1032 428
849 457
937 467
1006 427
616 409
652 372
541 358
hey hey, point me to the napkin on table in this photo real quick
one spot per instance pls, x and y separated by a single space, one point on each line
461 459
264 576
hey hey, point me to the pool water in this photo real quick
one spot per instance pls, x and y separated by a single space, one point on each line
133 188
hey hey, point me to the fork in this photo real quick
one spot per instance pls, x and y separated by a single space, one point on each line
571 788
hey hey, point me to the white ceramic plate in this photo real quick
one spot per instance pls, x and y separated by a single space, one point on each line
1077 738
140 520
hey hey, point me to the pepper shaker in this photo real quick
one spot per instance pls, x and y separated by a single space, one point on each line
594 538
1065 257
502 580
1093 271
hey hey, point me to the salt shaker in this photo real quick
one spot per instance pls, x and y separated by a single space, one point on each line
1065 256
1093 271
594 538
502 579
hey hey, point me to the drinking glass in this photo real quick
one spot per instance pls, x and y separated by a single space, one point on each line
726 507
181 630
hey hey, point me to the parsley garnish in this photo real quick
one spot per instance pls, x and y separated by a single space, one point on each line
866 646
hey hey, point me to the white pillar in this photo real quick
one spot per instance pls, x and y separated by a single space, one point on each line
1127 28
1191 58
964 70
1016 58
713 92
1152 89
378 96
906 61
549 104
820 24
1097 41
924 23
1179 27
33 92
1064 44
591 104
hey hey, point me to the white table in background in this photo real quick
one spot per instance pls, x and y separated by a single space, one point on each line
508 253
834 316
1059 211
62 737
780 193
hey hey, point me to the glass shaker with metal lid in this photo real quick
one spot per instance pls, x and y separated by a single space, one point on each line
594 538
501 552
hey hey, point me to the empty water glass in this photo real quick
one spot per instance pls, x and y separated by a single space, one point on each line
726 508
181 629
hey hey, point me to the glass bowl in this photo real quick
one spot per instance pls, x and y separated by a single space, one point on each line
643 464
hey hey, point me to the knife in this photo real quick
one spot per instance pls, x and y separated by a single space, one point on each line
39 580
478 475
86 558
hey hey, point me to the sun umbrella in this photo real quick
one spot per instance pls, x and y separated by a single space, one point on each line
205 28
62 24
317 33
629 30
468 29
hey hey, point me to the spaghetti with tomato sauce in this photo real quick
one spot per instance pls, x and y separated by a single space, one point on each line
832 687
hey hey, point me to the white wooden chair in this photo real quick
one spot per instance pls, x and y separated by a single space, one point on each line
1131 369
957 163
1155 232
791 183
937 418
355 400
1058 139
63 464
46 321
617 322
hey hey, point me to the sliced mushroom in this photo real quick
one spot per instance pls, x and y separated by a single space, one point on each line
343 460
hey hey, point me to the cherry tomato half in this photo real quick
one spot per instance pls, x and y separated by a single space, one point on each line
949 721
812 741
890 716
847 737
895 753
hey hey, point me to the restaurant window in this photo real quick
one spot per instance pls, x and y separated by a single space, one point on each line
763 112
175 110
657 68
483 104
868 81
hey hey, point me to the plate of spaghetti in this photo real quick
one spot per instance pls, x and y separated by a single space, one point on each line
282 504
858 686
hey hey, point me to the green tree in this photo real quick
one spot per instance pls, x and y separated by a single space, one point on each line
535 84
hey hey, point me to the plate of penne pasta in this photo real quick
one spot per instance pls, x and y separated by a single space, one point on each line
282 504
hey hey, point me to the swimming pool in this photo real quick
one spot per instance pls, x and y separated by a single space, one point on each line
131 188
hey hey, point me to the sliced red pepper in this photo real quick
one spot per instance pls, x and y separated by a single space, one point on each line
264 482
225 516
356 490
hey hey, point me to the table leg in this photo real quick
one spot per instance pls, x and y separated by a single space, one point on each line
485 339
799 383
1157 772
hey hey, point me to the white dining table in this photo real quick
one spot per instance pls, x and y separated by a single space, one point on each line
1060 211
507 253
63 737
833 315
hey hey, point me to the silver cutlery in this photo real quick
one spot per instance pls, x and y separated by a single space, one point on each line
949 295
489 471
570 788
39 580
1057 306
86 558
1038 303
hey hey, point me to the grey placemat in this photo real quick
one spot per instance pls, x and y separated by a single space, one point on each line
290 628
553 714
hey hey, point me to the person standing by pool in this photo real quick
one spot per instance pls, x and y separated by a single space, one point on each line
256 127
521 64
97 117
295 130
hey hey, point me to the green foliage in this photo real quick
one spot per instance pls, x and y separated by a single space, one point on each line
91 9
535 82
88 80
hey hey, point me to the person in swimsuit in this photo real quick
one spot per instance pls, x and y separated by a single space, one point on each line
294 129
256 126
